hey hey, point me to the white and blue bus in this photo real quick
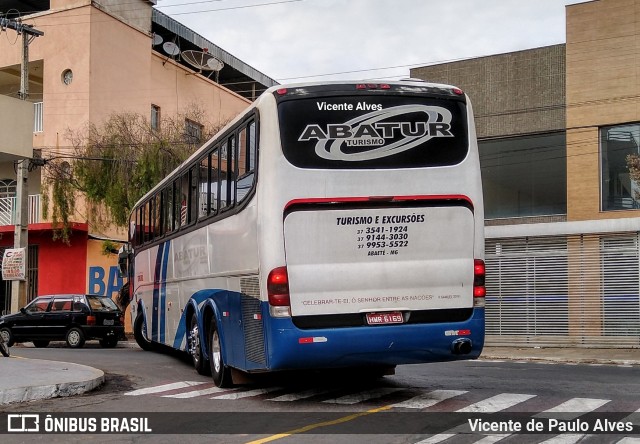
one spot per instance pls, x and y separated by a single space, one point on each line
330 225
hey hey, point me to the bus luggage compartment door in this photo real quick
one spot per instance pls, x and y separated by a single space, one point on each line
390 259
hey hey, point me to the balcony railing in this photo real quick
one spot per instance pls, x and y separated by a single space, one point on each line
8 210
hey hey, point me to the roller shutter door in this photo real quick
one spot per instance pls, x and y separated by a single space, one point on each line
580 290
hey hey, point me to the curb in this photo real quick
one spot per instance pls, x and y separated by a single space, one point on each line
81 379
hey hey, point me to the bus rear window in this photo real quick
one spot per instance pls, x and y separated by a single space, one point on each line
378 131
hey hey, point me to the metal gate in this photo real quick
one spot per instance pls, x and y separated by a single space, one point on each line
578 290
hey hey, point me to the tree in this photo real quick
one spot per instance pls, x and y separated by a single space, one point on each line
115 164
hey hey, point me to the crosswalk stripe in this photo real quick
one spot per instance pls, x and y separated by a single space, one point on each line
629 440
164 388
363 396
437 438
633 418
490 439
196 393
429 399
247 394
299 395
496 403
575 405
569 438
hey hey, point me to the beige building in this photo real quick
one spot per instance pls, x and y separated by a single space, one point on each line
94 59
556 125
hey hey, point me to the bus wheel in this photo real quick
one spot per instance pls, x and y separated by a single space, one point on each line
195 348
219 371
142 341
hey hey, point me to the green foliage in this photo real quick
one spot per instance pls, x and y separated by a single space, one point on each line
110 247
116 163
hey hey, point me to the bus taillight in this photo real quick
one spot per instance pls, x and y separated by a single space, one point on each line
479 289
278 292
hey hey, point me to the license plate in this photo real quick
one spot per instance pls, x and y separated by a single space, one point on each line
394 317
108 322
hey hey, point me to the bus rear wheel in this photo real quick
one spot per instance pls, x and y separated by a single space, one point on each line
139 335
195 347
219 371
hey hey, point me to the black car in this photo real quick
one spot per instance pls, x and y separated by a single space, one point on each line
74 318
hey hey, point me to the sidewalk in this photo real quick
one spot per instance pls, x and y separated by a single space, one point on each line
24 379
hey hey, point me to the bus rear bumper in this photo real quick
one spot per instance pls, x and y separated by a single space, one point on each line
382 345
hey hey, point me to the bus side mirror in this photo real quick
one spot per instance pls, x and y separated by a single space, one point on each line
123 264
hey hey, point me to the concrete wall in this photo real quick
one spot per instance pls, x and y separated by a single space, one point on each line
16 128
517 93
603 86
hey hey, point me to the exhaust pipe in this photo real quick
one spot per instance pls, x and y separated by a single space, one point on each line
461 346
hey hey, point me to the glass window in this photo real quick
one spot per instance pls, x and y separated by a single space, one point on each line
227 157
99 303
178 204
524 176
39 305
215 178
167 209
193 131
194 182
147 222
62 304
203 188
7 188
373 131
618 191
155 117
157 216
246 160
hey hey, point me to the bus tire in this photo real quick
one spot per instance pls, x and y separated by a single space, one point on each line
139 336
219 371
195 347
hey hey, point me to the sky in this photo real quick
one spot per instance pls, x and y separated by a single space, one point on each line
308 40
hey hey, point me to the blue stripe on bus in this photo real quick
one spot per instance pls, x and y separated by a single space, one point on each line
163 291
156 294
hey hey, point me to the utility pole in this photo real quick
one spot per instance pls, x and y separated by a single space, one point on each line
21 233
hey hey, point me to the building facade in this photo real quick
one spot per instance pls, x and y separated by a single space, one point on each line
97 58
556 126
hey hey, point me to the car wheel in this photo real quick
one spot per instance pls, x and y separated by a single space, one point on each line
75 338
195 347
7 336
219 371
40 343
108 342
140 337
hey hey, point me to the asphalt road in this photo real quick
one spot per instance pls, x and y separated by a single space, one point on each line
342 407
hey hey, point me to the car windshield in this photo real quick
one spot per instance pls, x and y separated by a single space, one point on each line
100 303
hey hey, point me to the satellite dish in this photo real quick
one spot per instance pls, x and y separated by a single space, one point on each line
171 48
202 60
157 39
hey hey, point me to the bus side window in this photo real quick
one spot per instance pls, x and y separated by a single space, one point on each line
167 209
226 171
203 187
177 204
194 181
215 178
246 160
146 228
157 213
184 199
